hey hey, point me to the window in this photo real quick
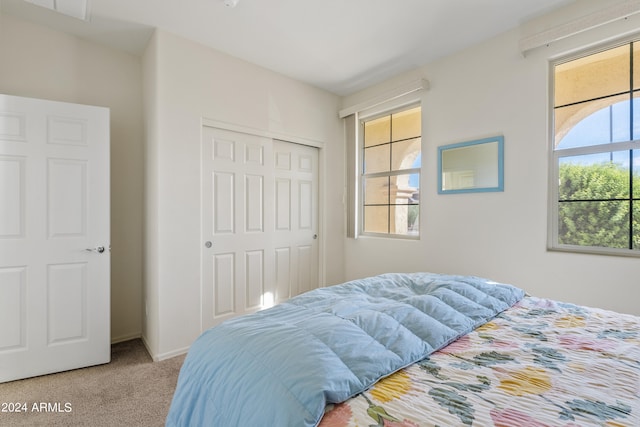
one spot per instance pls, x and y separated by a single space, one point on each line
596 156
390 174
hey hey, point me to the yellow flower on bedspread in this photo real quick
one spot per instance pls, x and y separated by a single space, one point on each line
392 387
614 424
570 321
489 326
529 380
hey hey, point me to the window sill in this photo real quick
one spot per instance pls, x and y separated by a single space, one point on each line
595 251
389 236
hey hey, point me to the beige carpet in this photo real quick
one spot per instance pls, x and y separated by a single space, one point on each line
132 390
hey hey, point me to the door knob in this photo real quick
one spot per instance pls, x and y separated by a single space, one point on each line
208 245
97 249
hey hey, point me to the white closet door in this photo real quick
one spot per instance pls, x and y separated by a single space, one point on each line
296 219
259 223
54 205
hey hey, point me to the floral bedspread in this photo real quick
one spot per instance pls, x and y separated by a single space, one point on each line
540 363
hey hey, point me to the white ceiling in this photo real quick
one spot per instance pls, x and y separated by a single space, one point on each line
339 45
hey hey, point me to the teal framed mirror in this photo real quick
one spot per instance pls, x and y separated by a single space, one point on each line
471 166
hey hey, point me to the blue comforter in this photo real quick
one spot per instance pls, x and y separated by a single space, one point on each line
281 366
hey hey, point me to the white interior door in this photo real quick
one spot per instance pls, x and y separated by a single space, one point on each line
54 205
259 223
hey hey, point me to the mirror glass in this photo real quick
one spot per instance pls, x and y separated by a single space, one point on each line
471 166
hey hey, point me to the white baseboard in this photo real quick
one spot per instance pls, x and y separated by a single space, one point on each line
164 356
124 338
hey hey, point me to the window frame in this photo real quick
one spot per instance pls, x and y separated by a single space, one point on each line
555 155
361 176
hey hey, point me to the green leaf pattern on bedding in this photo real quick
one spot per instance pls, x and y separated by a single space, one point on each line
540 363
455 403
600 410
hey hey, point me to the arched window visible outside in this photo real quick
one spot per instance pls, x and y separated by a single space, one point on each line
390 179
596 162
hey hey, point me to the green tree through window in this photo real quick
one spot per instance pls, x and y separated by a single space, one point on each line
594 206
596 115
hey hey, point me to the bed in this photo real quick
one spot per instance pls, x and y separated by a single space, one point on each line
417 349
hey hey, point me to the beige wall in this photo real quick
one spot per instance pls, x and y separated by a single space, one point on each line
491 89
41 63
186 83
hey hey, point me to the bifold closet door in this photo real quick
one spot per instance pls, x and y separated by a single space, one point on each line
259 222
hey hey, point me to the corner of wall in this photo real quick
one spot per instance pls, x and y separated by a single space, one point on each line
150 294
